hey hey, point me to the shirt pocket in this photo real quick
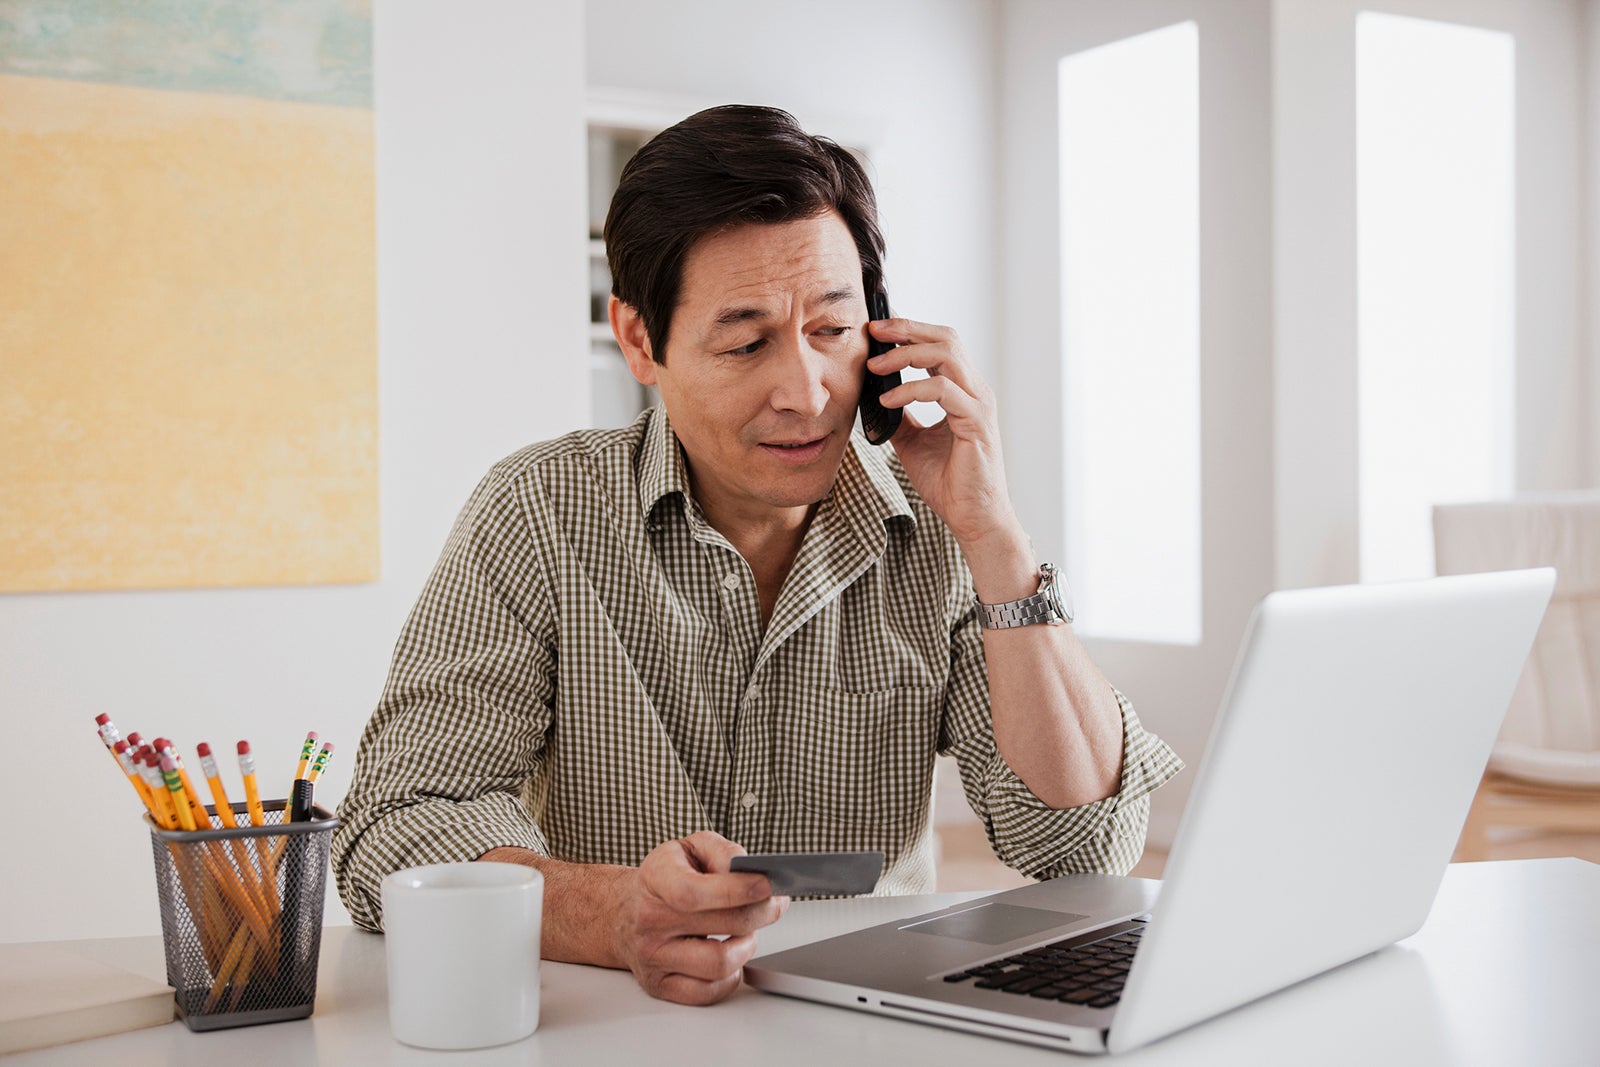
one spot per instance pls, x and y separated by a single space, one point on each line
859 759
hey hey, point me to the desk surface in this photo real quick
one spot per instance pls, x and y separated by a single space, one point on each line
1506 970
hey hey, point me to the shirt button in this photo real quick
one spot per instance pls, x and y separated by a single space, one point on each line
748 800
730 580
752 694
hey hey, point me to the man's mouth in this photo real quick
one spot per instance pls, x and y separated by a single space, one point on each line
796 451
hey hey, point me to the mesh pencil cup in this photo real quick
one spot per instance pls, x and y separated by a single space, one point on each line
241 915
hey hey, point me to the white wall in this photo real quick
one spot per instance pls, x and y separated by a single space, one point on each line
1174 688
482 348
918 76
1315 249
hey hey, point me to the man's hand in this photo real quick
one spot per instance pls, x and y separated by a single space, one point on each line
955 464
674 907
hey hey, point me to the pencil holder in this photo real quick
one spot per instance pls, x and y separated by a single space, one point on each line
241 915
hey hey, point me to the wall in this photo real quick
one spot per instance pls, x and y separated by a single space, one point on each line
482 348
918 79
1315 218
1175 688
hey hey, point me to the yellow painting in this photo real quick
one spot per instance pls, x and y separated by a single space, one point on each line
188 349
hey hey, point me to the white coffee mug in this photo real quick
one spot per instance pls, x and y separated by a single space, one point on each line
463 944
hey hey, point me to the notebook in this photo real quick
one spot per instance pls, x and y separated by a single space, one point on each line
1336 781
51 994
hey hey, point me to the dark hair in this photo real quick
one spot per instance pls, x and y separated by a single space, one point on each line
717 169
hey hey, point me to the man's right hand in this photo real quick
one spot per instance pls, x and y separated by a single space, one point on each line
674 906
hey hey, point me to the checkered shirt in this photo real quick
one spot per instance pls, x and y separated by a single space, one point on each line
586 675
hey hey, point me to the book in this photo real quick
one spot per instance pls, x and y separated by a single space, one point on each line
50 995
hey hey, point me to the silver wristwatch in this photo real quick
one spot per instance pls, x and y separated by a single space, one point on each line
1052 603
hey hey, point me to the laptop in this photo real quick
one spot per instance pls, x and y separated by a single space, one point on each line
1335 783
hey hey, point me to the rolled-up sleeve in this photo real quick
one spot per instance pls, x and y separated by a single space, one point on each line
1106 835
460 729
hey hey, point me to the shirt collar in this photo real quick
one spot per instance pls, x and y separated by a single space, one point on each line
867 493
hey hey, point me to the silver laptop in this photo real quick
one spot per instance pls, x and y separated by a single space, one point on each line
1338 775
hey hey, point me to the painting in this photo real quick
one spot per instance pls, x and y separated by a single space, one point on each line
188 334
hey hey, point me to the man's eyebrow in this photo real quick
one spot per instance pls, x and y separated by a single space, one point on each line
733 316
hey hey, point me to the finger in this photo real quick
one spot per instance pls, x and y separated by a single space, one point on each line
711 850
729 921
903 331
956 401
704 958
682 989
677 877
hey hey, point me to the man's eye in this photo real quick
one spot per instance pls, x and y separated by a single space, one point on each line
746 350
834 331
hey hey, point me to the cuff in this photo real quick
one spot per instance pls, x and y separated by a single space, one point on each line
427 831
1035 838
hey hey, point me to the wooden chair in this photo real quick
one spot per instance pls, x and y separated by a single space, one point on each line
1545 770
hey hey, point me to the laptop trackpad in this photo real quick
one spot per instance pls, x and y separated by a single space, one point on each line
994 924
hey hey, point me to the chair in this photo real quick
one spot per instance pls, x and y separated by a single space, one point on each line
1545 770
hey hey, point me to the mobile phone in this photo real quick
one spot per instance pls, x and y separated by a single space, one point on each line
878 422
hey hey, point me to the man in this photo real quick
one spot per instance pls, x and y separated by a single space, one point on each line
733 625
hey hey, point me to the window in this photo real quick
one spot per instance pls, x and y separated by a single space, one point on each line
1435 151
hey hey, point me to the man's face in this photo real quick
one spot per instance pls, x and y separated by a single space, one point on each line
764 361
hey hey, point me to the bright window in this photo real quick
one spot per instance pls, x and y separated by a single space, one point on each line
1435 149
1130 298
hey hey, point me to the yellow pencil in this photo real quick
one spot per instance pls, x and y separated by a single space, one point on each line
197 807
247 771
158 791
125 761
306 749
322 762
180 803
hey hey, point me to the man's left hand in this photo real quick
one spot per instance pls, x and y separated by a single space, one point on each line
955 464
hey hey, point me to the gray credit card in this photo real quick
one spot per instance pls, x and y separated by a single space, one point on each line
815 874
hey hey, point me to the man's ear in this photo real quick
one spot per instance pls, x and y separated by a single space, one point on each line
634 339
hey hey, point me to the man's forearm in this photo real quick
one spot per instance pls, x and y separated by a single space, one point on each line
1056 720
580 906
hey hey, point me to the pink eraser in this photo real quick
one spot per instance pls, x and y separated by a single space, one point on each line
167 764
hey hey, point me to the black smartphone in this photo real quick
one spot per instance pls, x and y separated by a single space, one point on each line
878 422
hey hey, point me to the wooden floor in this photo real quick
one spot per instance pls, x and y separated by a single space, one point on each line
966 863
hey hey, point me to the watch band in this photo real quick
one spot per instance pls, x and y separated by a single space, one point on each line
1048 605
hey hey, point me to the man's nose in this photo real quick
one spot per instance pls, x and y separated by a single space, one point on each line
800 385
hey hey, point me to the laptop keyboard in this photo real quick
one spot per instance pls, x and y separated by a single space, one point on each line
1089 973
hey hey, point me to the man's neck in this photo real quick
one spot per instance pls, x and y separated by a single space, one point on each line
768 537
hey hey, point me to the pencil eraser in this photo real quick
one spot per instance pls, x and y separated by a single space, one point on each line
102 719
167 764
120 747
135 739
311 735
244 748
327 746
203 750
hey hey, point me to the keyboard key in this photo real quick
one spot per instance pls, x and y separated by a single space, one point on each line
1081 995
1048 992
1103 1001
959 976
1026 986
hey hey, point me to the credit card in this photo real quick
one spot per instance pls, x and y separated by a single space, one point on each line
815 874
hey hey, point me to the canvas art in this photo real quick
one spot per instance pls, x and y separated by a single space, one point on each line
188 335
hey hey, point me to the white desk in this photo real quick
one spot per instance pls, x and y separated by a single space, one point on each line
1506 970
